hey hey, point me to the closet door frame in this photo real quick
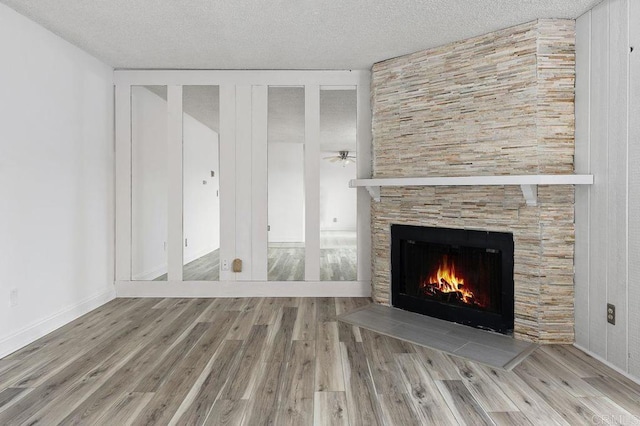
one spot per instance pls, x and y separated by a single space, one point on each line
243 97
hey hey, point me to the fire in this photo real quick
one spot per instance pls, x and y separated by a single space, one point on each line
447 280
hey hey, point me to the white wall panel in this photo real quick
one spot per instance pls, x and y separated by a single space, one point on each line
607 138
634 189
243 181
312 182
364 165
582 166
617 180
598 165
259 200
227 179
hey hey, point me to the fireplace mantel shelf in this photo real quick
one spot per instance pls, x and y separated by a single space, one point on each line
528 183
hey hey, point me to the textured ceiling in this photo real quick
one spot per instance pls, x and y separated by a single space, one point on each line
285 122
285 114
281 34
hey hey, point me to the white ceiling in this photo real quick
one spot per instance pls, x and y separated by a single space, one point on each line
285 114
280 34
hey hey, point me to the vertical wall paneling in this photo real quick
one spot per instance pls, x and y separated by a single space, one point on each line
617 181
582 146
312 182
123 182
175 242
243 181
608 146
364 172
598 166
259 183
227 178
634 189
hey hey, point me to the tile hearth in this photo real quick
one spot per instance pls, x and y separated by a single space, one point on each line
492 349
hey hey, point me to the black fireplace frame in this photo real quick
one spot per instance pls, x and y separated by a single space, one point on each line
501 322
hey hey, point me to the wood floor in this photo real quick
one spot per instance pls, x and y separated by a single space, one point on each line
338 261
285 361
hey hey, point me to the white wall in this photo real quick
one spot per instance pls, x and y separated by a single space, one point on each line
608 213
286 192
56 181
337 200
149 186
201 201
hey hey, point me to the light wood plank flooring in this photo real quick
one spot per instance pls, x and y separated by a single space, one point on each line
285 361
338 261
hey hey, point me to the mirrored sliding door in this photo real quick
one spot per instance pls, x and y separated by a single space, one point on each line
201 182
285 168
149 183
338 202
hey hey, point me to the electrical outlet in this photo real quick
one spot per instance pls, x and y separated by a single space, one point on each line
225 264
186 242
335 220
611 314
13 297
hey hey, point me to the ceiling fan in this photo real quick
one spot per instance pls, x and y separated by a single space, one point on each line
343 157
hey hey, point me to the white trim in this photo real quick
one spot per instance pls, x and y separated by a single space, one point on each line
528 183
364 164
123 182
175 238
227 149
477 180
243 289
33 332
243 194
608 364
628 193
237 77
530 193
259 183
312 182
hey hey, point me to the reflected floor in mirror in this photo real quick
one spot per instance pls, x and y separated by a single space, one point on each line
338 261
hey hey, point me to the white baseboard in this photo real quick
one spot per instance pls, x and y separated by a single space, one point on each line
243 289
33 332
608 364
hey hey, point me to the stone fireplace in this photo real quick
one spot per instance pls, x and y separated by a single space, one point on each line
498 104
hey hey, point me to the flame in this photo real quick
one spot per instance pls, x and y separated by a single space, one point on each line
448 281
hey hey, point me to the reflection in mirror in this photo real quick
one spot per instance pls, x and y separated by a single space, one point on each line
285 152
149 183
338 202
201 183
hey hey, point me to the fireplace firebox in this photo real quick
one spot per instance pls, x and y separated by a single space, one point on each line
459 275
